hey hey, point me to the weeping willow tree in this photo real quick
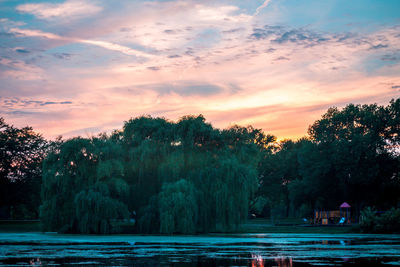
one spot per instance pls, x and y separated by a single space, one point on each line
219 171
95 211
178 207
83 187
182 177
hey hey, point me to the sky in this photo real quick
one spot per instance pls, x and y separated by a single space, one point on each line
81 67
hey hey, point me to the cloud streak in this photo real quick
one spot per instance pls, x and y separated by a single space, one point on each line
264 5
106 45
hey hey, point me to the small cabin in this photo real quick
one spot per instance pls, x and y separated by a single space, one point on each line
329 217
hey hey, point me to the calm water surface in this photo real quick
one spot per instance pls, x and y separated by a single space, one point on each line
283 250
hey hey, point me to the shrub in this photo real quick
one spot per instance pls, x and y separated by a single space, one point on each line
388 222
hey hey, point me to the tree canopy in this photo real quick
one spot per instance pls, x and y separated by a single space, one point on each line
350 155
189 177
182 177
21 154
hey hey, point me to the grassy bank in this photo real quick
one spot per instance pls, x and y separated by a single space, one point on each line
251 226
10 226
292 226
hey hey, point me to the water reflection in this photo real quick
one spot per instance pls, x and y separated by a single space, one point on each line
331 242
284 262
274 250
258 261
36 262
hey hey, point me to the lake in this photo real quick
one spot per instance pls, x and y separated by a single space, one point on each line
283 250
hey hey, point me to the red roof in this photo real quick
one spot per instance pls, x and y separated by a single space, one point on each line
345 205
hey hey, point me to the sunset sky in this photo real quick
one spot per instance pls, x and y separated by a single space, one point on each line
80 67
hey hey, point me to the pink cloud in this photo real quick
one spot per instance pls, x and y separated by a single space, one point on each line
252 86
19 70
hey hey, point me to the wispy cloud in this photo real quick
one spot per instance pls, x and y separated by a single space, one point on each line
107 45
19 70
264 5
35 33
267 68
14 103
115 47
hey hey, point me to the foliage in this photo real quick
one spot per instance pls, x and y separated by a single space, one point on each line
359 162
189 177
351 155
178 208
95 212
368 220
373 222
83 187
21 154
183 177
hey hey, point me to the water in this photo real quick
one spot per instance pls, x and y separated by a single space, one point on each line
283 250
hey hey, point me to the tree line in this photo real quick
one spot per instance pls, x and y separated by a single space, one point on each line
349 155
189 177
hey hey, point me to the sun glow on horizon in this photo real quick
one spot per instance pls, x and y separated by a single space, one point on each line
80 67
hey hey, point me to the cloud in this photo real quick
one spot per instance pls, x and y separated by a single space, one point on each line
21 50
281 35
265 32
106 45
55 103
116 47
181 88
70 9
301 37
16 103
172 58
378 46
19 70
153 68
391 57
35 33
169 31
85 132
281 58
264 5
189 89
62 55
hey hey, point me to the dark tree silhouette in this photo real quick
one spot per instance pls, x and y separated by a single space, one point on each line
21 154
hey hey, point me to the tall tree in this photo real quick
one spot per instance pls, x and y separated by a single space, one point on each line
351 155
21 155
182 177
357 141
83 187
